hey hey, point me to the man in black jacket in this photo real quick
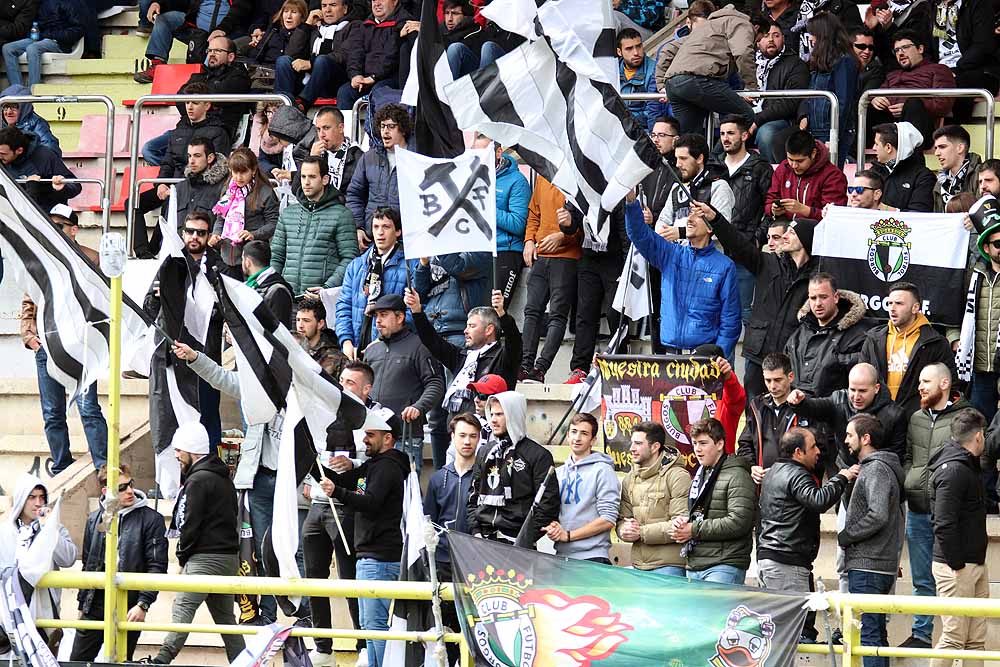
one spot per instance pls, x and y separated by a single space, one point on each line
23 157
791 500
273 289
378 541
781 288
830 332
872 73
408 380
899 366
909 184
224 76
142 547
959 521
769 416
502 494
206 523
375 52
492 345
783 70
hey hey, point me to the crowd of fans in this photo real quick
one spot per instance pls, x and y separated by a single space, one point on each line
878 412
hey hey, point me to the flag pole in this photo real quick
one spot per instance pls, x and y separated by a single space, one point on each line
333 508
524 540
440 655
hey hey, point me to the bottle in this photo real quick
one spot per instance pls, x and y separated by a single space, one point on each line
35 34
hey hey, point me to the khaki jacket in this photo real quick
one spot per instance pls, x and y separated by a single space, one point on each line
653 496
709 49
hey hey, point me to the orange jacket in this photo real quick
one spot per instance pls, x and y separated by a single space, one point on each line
546 200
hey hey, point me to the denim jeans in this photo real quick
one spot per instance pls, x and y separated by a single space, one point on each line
873 626
208 405
375 611
154 151
413 448
143 12
33 50
261 498
745 282
53 398
983 397
162 37
325 77
462 60
768 139
552 281
672 570
694 97
720 574
347 96
286 79
920 543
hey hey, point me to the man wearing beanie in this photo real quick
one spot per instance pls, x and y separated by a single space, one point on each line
207 532
699 294
781 289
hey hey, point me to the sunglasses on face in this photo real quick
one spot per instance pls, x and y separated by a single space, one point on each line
995 244
857 189
865 47
483 397
126 485
195 232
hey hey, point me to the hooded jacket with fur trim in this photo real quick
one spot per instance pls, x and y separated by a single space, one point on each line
821 354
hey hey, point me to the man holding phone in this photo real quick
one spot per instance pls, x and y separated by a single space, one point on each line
805 181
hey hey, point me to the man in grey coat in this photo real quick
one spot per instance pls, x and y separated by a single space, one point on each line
408 380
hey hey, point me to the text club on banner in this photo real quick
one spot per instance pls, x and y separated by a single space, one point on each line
672 390
870 250
448 205
521 607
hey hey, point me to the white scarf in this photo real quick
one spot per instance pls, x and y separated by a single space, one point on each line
459 388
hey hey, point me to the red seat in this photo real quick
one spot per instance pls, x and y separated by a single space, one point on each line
325 102
93 135
89 198
153 125
167 80
144 172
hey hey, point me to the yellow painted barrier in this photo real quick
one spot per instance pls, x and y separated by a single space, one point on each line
848 606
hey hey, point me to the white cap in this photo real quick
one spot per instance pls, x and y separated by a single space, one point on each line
191 438
63 211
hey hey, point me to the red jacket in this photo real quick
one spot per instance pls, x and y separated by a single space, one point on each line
734 401
924 75
822 184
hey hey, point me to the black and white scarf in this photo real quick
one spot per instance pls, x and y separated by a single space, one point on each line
965 356
337 160
764 67
458 390
699 497
952 185
496 471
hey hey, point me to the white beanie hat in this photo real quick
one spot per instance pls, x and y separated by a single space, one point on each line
191 438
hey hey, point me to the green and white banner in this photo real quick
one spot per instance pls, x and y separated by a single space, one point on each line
869 250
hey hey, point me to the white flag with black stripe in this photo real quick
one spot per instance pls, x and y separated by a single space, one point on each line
632 298
572 129
72 297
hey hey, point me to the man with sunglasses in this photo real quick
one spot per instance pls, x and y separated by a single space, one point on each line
866 191
142 548
872 73
51 393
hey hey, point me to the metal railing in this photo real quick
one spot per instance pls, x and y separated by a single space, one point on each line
133 158
109 148
356 121
849 606
865 98
834 142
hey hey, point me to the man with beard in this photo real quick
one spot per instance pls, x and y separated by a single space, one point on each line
929 430
702 179
635 75
778 68
749 177
206 524
989 178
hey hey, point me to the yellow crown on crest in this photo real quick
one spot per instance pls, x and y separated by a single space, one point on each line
891 226
492 582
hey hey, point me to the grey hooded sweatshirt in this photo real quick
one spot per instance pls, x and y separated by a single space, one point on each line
873 533
588 489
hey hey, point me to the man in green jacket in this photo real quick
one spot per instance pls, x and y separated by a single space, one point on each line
316 238
717 533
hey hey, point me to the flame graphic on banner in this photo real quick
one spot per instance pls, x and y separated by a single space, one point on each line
572 632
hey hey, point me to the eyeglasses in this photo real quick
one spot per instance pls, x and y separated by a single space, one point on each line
218 51
126 485
903 47
195 232
661 135
857 189
864 47
388 126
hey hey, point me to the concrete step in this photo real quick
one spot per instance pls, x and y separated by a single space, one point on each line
134 46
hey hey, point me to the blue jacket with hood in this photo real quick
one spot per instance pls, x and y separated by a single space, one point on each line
452 285
30 122
700 301
513 195
352 300
444 503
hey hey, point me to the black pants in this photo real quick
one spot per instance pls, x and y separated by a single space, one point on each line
914 112
552 281
596 278
148 201
753 379
320 543
962 111
449 615
89 642
508 272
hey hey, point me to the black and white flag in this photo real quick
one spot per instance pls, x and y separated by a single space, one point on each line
72 297
870 250
448 205
632 298
555 102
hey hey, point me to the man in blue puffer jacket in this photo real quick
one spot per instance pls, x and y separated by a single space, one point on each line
700 301
513 195
379 270
24 117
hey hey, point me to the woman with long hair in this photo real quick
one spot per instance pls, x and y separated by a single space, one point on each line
247 211
834 67
288 35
